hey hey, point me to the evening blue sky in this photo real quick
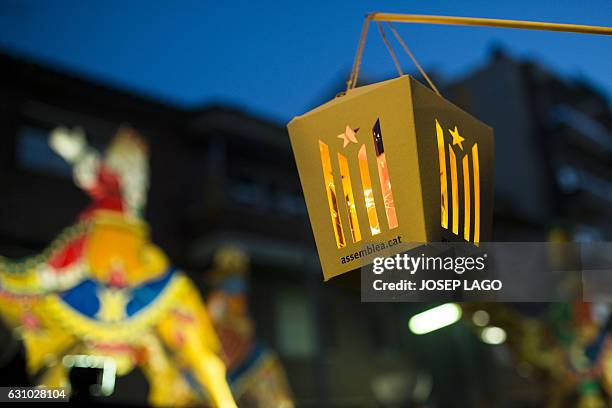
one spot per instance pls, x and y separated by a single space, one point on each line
277 59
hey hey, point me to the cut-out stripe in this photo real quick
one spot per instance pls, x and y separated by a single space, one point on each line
454 190
476 167
383 175
466 198
347 187
366 184
443 181
330 188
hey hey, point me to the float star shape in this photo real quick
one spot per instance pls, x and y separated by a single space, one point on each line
349 136
457 139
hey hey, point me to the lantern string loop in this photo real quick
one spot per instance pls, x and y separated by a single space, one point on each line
389 48
352 81
463 21
412 57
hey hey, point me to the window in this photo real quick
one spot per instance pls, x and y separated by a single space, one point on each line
266 197
295 325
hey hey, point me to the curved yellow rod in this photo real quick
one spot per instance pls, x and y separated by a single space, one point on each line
465 21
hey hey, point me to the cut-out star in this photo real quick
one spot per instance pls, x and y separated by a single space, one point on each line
457 139
349 136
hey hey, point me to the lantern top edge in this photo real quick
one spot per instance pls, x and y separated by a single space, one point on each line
357 91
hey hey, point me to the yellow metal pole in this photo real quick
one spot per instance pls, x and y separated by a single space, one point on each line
490 22
465 21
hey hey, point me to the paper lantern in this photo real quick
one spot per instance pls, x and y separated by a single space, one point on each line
390 164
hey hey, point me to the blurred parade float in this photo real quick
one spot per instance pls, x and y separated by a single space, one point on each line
255 373
103 296
563 347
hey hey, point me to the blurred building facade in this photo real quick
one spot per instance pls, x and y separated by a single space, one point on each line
221 176
553 148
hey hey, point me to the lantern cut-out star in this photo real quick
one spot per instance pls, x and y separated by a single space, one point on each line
349 136
457 139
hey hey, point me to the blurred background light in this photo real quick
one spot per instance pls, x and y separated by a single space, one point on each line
435 318
493 335
481 318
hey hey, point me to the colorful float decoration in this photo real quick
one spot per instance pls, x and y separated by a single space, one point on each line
564 347
255 373
103 293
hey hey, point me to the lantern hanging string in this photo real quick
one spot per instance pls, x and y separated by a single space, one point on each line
390 48
350 84
412 57
407 49
463 21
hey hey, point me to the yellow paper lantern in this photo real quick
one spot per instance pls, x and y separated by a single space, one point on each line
390 164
